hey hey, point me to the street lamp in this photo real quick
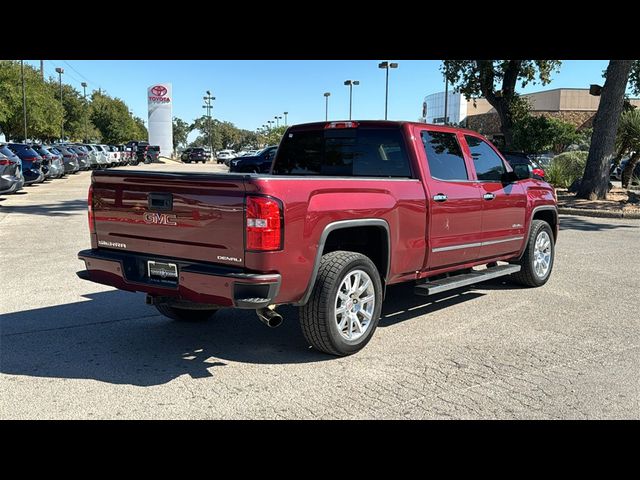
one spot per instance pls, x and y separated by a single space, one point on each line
285 118
84 89
24 100
387 66
207 100
326 105
60 71
351 83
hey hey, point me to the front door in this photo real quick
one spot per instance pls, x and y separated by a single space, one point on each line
503 204
454 202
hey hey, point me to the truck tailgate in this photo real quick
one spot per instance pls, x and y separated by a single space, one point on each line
196 216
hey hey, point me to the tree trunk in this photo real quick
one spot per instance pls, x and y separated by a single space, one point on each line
628 169
595 181
506 122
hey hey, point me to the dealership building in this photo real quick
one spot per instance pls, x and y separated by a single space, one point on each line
573 105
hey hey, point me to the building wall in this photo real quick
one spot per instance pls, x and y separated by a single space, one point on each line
456 107
489 123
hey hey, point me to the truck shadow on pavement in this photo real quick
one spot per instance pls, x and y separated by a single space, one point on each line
59 209
582 224
114 337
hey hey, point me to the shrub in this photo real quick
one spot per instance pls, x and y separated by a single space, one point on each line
566 168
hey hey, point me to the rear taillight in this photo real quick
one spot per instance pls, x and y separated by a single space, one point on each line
539 172
5 162
92 228
264 224
341 125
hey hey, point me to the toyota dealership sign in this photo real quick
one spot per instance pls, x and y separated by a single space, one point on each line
159 100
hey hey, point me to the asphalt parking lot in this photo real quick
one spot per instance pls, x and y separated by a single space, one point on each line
74 349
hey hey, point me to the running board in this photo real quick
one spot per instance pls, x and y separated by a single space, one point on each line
464 279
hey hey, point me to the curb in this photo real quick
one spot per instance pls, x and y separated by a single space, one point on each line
585 212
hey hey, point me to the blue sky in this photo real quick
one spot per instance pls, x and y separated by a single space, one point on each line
248 93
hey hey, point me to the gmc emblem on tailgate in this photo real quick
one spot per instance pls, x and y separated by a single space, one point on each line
160 218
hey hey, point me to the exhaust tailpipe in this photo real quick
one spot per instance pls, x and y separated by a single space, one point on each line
269 316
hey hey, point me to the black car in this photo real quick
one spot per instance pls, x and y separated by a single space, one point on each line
517 158
70 159
11 179
31 162
152 154
194 154
258 163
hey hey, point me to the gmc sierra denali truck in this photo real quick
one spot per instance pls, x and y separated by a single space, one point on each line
348 208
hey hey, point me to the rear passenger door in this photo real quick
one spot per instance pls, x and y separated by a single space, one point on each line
454 202
503 204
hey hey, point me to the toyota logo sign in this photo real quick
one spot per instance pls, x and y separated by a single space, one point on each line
159 91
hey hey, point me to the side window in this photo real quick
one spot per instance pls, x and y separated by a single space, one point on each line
444 156
488 164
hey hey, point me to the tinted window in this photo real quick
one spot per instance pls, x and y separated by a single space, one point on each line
444 156
488 164
360 152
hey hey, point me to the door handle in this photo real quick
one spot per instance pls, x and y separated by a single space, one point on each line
440 197
488 196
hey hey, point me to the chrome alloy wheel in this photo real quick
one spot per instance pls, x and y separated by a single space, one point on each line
355 304
542 255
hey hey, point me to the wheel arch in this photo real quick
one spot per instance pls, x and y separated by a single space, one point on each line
382 262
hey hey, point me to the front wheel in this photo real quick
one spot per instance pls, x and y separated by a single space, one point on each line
537 259
345 304
184 314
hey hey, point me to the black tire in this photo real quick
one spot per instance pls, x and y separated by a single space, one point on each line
527 275
184 314
318 318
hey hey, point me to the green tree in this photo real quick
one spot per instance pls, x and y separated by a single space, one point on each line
496 81
595 181
628 141
537 134
112 118
44 113
181 130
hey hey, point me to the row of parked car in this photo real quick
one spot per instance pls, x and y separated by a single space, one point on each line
26 163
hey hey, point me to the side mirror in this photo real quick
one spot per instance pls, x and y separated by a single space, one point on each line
520 172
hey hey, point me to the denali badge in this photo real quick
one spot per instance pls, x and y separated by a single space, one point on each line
229 259
104 243
160 218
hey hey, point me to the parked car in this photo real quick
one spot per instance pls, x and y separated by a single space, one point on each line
349 208
616 171
31 162
194 154
93 156
225 156
59 158
112 157
153 153
11 179
141 151
53 162
517 158
84 160
70 159
258 163
102 156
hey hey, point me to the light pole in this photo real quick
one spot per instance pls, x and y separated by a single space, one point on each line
60 72
270 122
326 105
24 100
285 118
351 83
84 89
387 66
446 99
207 100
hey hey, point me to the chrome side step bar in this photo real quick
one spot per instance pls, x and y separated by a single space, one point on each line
464 279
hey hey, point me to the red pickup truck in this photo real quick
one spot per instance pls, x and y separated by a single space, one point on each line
347 209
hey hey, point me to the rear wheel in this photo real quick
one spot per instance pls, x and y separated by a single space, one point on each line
343 311
537 259
185 314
